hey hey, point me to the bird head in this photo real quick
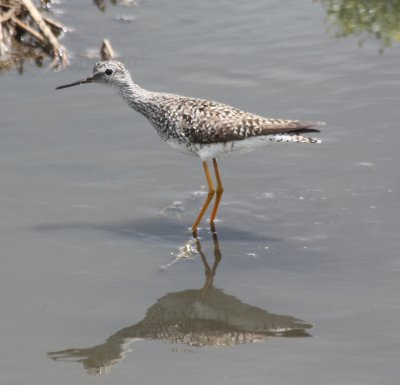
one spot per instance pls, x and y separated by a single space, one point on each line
109 72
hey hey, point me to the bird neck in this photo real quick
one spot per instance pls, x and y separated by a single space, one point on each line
136 96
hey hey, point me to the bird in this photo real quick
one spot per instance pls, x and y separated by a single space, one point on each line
204 128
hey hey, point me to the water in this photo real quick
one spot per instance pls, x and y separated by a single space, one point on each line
95 209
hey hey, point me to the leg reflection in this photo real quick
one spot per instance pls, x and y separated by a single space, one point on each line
209 272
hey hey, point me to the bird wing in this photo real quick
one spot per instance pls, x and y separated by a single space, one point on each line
211 122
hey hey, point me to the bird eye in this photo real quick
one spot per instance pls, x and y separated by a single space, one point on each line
108 71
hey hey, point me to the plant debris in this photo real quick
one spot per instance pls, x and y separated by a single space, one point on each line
26 32
106 50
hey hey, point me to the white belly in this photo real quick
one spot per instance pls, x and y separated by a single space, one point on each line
237 147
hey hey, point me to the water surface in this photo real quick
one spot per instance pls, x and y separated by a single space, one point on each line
95 209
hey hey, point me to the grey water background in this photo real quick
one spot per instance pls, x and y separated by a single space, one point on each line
94 208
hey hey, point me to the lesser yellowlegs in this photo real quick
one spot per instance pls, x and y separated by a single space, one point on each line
199 127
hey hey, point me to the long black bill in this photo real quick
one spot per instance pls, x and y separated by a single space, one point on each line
83 81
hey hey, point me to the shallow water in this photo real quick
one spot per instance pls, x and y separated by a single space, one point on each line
95 209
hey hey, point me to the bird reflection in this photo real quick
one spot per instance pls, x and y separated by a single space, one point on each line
195 318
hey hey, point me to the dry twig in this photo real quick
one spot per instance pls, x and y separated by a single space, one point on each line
106 51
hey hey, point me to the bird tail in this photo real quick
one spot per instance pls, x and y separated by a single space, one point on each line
291 136
296 135
305 139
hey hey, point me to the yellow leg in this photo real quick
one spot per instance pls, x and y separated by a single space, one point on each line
211 192
220 191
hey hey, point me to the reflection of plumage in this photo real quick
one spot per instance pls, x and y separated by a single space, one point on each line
218 319
202 317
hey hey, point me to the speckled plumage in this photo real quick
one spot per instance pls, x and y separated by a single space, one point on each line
189 124
204 128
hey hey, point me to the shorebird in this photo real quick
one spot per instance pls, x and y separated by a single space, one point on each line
200 127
